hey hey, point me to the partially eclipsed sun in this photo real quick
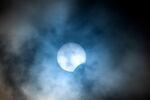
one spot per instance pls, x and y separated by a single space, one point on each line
70 56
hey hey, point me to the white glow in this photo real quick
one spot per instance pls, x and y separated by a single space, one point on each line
70 56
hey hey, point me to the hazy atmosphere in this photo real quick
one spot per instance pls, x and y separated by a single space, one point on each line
113 34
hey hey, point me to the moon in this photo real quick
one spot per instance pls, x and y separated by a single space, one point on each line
70 56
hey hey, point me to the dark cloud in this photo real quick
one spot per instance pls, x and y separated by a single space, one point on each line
117 47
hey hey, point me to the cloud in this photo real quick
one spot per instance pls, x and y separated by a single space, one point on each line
33 31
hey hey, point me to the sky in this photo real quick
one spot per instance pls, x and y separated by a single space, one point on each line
113 34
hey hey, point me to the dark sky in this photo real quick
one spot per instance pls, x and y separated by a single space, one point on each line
114 34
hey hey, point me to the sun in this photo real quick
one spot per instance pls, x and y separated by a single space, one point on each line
70 56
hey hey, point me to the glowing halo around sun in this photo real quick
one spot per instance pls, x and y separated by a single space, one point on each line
70 56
